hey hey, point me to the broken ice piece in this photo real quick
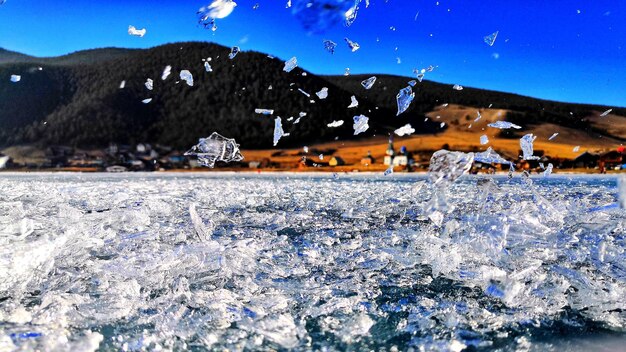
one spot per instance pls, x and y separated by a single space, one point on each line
576 149
404 99
290 64
256 6
347 72
478 117
405 130
16 78
606 113
146 101
122 84
335 123
264 111
216 10
457 87
233 52
412 83
489 156
354 103
330 46
321 156
446 166
149 84
504 125
305 93
305 149
136 32
484 139
491 38
369 83
215 148
354 46
553 136
186 76
278 130
323 93
201 230
548 170
389 171
208 67
302 114
360 124
526 143
420 77
166 72
442 125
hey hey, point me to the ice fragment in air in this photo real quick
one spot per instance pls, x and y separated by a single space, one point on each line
548 170
347 71
489 156
354 46
330 46
404 99
305 93
278 130
321 156
233 52
216 10
405 130
457 87
122 84
187 77
335 123
491 38
290 64
526 143
478 117
360 124
576 149
503 125
288 4
166 72
420 77
606 113
354 103
16 78
446 166
484 139
264 111
442 125
389 171
412 83
369 83
136 32
256 6
553 136
207 67
146 101
215 148
201 230
323 93
149 84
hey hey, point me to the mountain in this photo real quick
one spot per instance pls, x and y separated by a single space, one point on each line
76 100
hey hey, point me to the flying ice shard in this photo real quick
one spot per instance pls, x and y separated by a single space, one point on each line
504 125
484 139
553 136
606 113
354 46
330 46
16 78
335 123
216 10
489 156
123 84
412 83
290 64
187 77
215 148
136 32
457 87
404 99
147 101
369 83
149 84
548 170
491 38
446 166
389 171
278 130
353 103
526 143
360 124
233 52
166 72
323 93
207 67
405 130
576 149
264 111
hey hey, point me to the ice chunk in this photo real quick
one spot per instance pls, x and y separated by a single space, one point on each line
233 52
166 72
503 125
478 117
321 156
16 78
136 32
290 64
256 6
330 46
489 156
203 232
347 71
207 67
352 13
323 93
420 77
526 143
278 130
457 87
335 123
412 83
389 171
553 136
404 99
353 103
264 111
354 46
576 149
149 84
186 76
360 124
548 170
305 93
369 83
122 84
484 139
305 149
217 9
147 101
606 112
442 125
215 148
405 130
491 38
446 166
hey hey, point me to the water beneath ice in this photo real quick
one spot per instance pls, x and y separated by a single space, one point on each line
310 262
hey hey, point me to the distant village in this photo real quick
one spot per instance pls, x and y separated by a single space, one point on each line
146 157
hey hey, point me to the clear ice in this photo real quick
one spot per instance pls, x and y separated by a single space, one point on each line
447 166
369 83
553 136
389 171
136 32
354 46
330 46
16 78
491 38
233 52
186 76
217 9
207 67
278 130
548 170
353 102
336 123
215 148
404 99
149 84
503 125
147 101
122 84
490 156
484 139
457 87
405 130
606 112
166 72
323 93
526 143
576 149
360 124
290 64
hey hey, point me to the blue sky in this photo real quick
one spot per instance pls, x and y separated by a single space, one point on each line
545 49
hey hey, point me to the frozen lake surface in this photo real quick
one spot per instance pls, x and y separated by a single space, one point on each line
310 262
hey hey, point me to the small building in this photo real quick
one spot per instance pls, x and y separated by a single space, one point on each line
390 153
336 161
586 160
